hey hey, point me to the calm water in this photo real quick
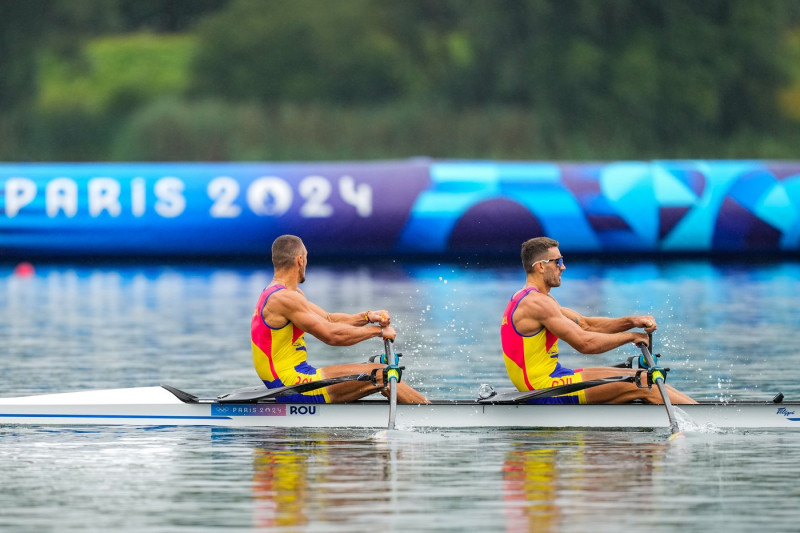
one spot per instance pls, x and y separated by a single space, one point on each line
727 331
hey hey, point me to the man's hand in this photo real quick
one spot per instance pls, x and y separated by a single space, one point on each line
647 322
641 338
388 333
380 317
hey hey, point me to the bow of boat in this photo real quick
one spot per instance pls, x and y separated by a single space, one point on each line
128 396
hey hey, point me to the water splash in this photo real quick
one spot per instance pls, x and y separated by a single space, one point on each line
688 425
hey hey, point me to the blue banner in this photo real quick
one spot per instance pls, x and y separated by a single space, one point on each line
397 208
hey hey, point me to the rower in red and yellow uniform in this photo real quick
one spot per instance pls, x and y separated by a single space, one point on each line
284 315
532 360
533 323
279 354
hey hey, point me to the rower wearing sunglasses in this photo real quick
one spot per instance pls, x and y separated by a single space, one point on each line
533 323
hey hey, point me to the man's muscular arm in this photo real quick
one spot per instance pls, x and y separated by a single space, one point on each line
380 317
611 325
294 307
544 311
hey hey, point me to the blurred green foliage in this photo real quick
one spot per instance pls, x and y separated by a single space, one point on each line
116 74
363 79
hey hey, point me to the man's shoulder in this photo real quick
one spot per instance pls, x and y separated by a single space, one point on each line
531 294
286 296
537 302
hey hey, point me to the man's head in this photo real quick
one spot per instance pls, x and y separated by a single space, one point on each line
536 249
540 256
288 251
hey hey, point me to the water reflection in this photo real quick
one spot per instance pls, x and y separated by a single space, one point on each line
318 477
530 491
542 481
560 485
280 488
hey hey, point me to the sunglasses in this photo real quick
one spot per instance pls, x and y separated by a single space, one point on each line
559 261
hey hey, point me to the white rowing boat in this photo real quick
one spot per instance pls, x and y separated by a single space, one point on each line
165 406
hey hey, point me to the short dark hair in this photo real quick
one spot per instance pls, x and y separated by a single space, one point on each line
535 249
284 251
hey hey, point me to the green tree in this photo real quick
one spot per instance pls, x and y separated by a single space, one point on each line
21 28
299 50
669 69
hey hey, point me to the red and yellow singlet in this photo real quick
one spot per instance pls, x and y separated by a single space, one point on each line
532 360
279 355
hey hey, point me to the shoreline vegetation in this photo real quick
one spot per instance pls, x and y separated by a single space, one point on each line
214 130
303 80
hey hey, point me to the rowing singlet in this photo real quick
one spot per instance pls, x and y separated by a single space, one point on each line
279 354
532 360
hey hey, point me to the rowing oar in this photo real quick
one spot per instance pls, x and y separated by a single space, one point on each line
254 394
517 396
658 379
393 375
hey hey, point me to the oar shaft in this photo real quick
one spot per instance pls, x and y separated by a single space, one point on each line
391 360
662 388
254 394
673 421
392 403
558 390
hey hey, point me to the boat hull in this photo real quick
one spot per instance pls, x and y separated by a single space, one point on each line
156 406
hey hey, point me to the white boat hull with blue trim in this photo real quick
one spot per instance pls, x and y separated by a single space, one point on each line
160 406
